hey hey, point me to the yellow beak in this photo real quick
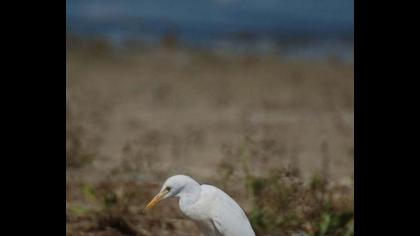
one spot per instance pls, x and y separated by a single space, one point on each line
156 199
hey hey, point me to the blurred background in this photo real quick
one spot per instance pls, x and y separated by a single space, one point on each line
255 97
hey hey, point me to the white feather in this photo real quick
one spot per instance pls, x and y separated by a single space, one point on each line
215 212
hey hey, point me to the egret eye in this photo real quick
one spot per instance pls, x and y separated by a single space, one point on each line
168 188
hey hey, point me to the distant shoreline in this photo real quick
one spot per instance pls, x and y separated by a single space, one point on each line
300 48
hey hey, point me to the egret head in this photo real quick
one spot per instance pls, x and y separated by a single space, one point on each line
172 187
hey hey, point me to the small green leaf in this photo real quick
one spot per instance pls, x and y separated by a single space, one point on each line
89 193
325 223
78 209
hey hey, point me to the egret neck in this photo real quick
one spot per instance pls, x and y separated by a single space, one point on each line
189 194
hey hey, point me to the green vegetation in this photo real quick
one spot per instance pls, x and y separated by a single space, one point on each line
281 204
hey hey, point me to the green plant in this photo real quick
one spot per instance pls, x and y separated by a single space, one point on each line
282 204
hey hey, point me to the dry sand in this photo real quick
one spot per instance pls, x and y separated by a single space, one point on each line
184 110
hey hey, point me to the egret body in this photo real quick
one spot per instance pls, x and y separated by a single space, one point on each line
215 213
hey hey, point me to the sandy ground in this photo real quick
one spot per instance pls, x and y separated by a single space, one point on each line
133 119
195 105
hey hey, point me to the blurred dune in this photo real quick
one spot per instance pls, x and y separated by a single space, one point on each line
205 102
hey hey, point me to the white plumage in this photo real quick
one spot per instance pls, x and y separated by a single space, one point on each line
215 212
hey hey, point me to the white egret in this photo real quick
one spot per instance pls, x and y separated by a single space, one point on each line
215 213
